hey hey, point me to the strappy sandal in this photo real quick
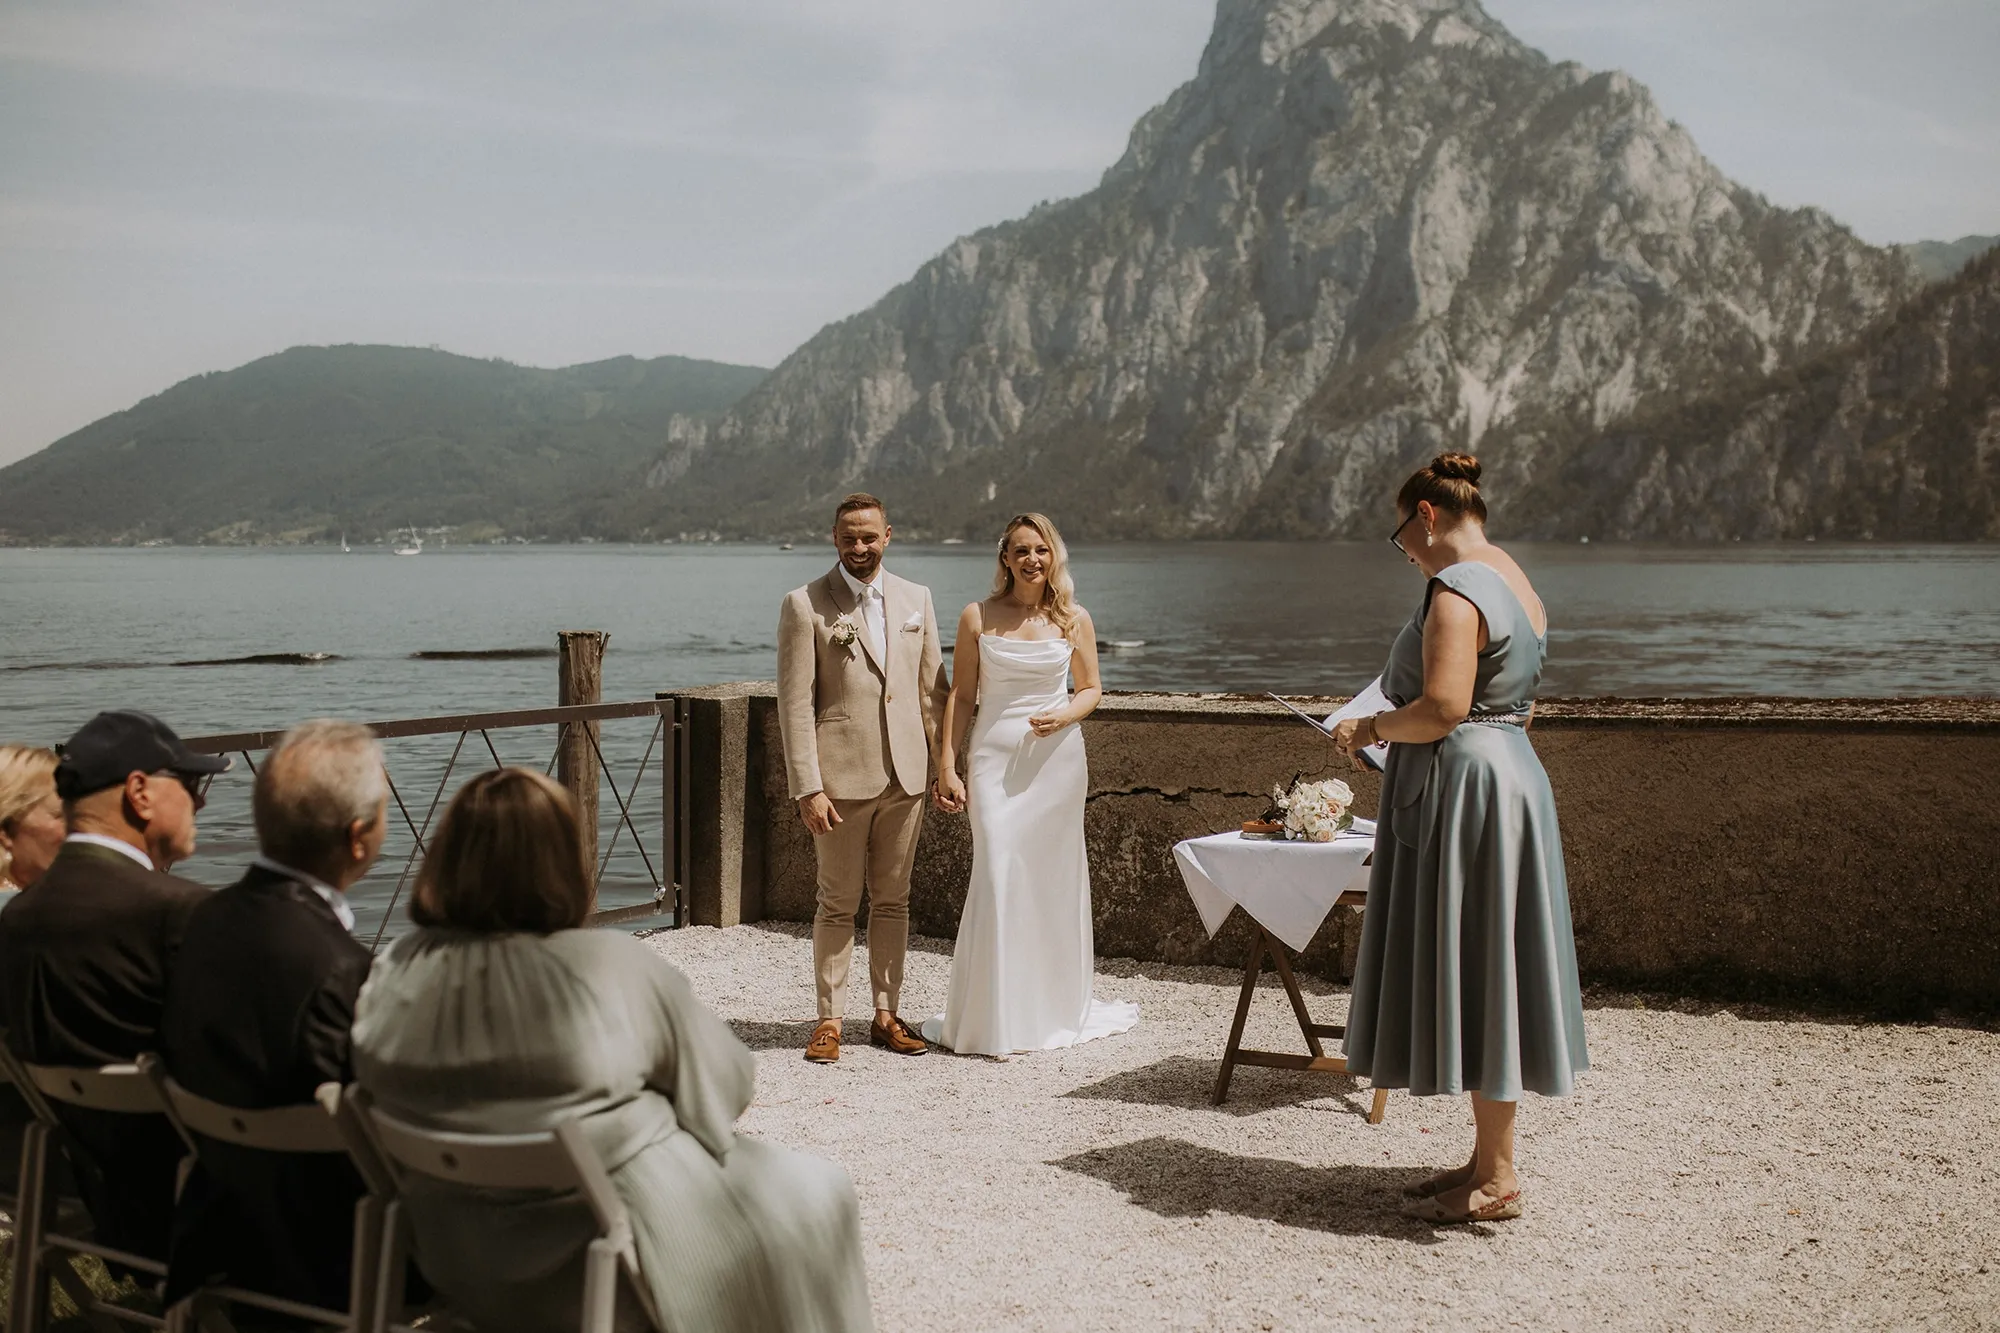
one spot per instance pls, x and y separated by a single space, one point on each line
1436 1183
1430 1210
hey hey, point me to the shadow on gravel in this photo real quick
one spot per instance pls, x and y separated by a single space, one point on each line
1175 1178
1185 1080
791 1032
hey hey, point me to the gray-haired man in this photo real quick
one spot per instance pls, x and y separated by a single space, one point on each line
257 1015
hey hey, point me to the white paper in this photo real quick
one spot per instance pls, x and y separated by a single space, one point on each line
1366 704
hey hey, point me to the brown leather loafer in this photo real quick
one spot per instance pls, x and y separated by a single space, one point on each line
824 1048
897 1036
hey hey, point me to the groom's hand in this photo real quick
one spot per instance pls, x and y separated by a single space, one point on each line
818 812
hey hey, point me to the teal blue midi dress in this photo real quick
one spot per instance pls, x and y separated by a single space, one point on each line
1466 978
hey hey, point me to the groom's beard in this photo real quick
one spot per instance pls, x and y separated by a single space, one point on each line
863 567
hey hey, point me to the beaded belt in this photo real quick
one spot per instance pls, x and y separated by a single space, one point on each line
1500 719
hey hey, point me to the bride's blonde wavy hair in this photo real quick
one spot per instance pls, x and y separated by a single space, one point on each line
1059 590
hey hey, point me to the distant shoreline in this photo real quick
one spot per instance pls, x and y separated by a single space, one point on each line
942 545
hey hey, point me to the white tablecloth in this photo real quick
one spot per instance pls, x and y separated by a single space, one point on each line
1286 887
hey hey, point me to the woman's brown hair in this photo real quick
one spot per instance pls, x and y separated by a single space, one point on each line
507 856
1450 482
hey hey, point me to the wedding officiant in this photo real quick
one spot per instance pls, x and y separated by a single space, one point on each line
1466 979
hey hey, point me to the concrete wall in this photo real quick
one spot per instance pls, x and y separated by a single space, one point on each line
1833 851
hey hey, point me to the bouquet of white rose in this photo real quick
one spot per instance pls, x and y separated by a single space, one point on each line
1315 811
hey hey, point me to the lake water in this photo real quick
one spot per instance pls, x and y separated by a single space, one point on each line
168 630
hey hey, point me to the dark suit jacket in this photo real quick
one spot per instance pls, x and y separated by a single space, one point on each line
257 1015
84 959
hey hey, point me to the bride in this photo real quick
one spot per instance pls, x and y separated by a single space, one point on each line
1020 976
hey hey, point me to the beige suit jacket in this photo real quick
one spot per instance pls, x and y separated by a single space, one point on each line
853 725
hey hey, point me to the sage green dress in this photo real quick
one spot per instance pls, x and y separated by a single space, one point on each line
510 1034
1466 978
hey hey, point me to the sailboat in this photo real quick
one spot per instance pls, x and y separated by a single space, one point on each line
409 543
343 543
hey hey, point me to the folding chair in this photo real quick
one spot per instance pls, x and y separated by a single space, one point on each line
309 1128
122 1090
560 1159
70 1213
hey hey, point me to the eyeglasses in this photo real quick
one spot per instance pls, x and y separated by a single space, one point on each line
1396 537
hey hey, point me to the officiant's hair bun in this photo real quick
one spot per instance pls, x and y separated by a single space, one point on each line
1450 482
1456 467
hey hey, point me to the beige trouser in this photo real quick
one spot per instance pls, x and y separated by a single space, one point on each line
875 843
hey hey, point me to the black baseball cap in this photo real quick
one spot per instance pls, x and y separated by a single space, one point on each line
124 741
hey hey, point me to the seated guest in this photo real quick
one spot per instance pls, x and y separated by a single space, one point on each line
31 818
84 957
31 831
257 1015
501 1016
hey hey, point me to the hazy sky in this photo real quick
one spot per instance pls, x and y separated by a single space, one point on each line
186 185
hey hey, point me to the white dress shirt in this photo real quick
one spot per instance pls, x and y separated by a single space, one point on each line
874 611
334 897
122 848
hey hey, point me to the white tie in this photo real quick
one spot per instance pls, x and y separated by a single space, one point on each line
874 613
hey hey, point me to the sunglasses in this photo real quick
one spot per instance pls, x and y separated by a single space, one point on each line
195 783
1396 537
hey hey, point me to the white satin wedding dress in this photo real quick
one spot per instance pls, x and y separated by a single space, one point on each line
1020 976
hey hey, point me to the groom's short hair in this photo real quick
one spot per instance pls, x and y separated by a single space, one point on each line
858 501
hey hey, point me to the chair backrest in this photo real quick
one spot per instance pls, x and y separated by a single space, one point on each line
120 1088
306 1128
558 1159
488 1161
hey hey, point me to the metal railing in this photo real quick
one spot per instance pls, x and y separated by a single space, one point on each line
669 739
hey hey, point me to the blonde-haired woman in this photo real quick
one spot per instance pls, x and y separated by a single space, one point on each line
1021 973
31 816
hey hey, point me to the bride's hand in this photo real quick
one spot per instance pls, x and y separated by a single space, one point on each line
948 793
1047 724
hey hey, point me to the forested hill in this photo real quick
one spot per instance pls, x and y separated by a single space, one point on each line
315 441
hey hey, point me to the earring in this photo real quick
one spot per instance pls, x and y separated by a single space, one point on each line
1430 539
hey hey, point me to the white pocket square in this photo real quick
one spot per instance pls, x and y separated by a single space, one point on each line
916 621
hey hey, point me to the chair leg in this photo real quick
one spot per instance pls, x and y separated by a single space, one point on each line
600 1287
367 1263
64 1276
29 1312
393 1257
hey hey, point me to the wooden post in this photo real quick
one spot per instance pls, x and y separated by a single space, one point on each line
580 680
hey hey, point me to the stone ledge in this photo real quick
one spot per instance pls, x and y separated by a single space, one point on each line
1924 713
1976 714
1829 850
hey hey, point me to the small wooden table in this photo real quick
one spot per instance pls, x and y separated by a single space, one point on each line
1266 945
1286 889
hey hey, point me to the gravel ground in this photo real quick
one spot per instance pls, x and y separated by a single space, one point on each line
1712 1172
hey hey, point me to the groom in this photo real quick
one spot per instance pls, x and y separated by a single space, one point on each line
861 687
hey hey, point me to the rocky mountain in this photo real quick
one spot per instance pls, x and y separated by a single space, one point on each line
1894 435
1365 230
319 440
1938 260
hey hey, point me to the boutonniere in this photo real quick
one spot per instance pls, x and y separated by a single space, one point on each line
846 633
